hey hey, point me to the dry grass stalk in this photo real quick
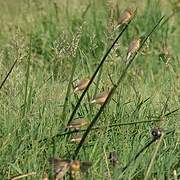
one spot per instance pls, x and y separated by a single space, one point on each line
24 175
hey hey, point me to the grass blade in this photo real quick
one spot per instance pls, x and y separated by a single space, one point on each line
95 73
153 157
112 91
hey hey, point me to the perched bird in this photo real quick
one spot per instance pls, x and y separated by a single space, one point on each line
79 166
60 167
125 17
76 139
75 165
77 123
113 158
100 98
45 176
81 85
156 132
133 47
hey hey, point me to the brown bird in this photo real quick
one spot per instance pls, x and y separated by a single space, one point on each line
100 98
75 165
77 123
81 85
45 176
125 17
76 139
133 47
60 167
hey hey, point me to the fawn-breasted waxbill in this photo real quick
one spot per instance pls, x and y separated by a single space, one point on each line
125 17
133 47
100 98
81 85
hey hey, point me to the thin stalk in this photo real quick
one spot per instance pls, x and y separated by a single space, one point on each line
142 150
99 128
112 92
153 157
165 115
171 16
27 80
138 154
110 126
68 89
95 128
23 176
95 73
8 74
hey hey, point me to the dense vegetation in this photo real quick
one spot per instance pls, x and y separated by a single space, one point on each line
55 43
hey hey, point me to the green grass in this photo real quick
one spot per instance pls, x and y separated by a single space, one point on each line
57 43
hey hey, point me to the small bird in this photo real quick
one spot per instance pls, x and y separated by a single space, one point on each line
75 165
82 166
113 158
76 139
77 123
156 132
79 166
45 176
60 167
100 98
81 85
125 17
133 47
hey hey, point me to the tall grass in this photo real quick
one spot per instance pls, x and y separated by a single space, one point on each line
46 45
